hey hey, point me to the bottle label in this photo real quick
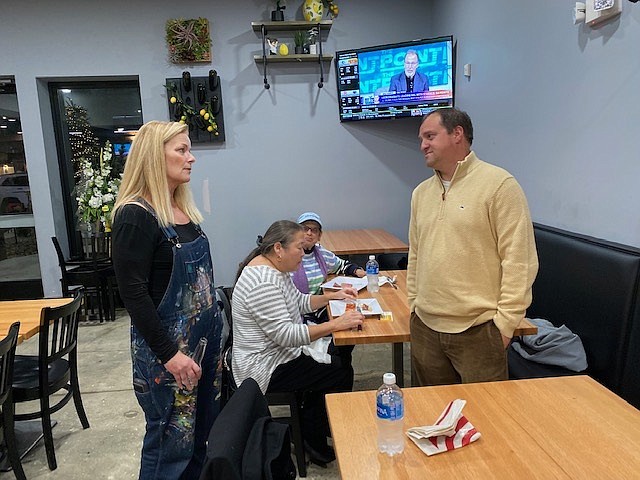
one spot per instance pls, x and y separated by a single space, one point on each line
393 411
372 269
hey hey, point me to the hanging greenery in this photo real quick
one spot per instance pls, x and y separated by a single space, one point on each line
188 40
332 7
184 113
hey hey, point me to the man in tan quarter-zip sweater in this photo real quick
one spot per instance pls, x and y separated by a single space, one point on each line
472 258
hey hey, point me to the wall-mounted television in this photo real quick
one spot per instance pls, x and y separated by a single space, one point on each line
397 80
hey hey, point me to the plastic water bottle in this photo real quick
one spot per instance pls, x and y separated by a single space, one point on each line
390 409
372 275
198 353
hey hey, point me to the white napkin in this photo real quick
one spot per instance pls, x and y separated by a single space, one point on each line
450 431
318 350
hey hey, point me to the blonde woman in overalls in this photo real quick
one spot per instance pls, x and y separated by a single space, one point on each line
165 278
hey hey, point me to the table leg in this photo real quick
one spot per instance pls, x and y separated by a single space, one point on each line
397 363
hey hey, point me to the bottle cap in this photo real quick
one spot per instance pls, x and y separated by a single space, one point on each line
389 378
372 257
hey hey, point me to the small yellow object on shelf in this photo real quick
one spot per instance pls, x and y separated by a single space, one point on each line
284 50
386 317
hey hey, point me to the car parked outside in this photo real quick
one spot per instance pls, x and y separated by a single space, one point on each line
15 196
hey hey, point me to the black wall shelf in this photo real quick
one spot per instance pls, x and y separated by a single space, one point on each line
263 28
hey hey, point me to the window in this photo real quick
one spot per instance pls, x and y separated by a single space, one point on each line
19 266
86 114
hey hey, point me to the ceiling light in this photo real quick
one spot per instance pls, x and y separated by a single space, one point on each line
65 90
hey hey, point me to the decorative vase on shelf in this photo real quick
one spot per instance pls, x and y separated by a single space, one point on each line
313 10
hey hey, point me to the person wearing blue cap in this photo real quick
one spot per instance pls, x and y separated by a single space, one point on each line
318 263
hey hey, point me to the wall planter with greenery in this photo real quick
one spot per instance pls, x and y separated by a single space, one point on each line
188 40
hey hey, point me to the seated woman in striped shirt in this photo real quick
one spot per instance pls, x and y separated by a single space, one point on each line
269 335
318 263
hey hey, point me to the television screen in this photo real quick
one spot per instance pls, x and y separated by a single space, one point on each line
399 80
121 149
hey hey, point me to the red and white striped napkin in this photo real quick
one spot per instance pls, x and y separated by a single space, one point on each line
452 430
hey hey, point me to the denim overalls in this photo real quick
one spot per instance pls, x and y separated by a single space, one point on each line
177 419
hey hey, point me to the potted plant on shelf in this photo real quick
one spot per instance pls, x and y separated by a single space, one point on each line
313 34
299 38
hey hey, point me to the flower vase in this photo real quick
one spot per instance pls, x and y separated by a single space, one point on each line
313 10
89 230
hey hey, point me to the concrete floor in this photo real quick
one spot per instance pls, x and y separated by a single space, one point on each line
110 449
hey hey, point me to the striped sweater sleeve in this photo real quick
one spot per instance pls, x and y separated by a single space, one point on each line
267 324
269 310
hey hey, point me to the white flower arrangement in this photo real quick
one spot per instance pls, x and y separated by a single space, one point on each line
96 189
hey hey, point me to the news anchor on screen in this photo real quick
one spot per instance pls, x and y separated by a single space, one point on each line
410 80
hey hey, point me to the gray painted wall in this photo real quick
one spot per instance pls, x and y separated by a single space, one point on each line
556 104
285 152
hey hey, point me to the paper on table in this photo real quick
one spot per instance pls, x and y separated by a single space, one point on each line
336 283
452 430
382 279
372 306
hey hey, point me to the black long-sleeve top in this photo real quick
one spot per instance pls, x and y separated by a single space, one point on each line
143 261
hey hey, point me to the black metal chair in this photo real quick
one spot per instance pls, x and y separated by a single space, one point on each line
292 400
100 253
7 353
37 377
95 275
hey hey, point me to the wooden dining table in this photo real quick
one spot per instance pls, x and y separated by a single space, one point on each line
27 312
397 331
362 241
545 428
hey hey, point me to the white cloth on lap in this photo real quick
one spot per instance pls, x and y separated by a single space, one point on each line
318 350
